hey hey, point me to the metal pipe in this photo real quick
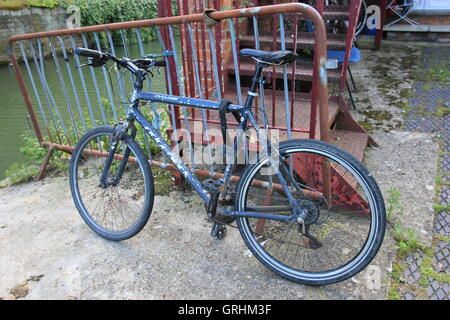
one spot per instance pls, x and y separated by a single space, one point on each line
33 84
46 88
200 94
83 83
27 99
63 86
106 77
47 98
72 82
200 172
235 62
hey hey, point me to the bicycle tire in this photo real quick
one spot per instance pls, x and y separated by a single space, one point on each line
377 218
361 23
78 157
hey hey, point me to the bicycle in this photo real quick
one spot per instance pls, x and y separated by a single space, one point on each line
290 213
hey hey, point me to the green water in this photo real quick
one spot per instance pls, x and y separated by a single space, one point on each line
13 113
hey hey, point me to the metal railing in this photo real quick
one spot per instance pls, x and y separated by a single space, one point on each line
85 98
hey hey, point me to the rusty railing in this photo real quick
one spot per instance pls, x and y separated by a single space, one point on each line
85 98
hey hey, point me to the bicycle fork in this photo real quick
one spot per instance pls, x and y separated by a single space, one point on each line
116 138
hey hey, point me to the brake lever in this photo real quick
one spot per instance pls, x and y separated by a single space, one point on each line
78 66
96 63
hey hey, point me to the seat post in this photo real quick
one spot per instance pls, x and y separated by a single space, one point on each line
255 80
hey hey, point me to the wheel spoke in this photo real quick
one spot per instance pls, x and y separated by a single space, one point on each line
116 209
335 233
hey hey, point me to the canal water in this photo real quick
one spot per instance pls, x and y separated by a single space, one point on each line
13 114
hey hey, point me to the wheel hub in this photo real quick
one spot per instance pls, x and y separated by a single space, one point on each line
307 210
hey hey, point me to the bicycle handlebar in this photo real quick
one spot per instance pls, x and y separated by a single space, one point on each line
160 63
133 66
89 53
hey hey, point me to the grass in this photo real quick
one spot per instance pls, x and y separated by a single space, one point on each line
438 72
442 111
12 4
442 238
20 4
394 294
438 208
163 180
19 173
35 154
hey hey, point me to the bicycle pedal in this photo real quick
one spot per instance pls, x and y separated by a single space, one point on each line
218 231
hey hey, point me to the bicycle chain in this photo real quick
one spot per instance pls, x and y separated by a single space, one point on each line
223 223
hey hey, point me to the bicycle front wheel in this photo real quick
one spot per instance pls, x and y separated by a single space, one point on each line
345 215
120 209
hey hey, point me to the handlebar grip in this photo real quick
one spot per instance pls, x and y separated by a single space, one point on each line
160 63
89 53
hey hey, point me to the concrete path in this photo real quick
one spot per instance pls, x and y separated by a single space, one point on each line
47 252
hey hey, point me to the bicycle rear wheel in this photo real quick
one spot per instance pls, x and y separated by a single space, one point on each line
119 210
345 221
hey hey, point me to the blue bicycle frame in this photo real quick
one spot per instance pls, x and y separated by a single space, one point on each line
246 115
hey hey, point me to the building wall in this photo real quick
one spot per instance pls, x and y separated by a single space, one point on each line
28 20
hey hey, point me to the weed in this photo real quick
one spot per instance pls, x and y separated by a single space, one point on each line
366 124
442 111
36 154
441 208
407 242
427 271
397 271
394 294
394 205
427 87
21 172
163 180
442 238
405 93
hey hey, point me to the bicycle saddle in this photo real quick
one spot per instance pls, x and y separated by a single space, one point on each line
270 57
